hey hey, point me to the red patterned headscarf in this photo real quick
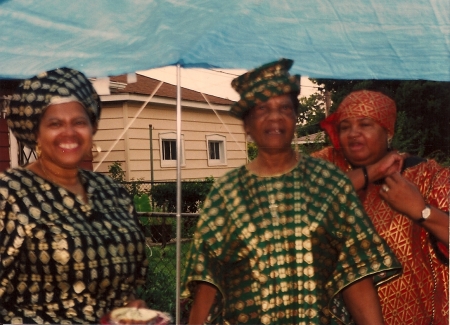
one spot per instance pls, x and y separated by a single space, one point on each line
362 103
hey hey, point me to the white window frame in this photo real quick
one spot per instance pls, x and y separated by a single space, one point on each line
173 137
222 140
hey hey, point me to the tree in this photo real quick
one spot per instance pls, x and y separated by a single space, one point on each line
310 112
252 150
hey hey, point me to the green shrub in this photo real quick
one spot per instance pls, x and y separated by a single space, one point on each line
118 174
193 193
142 203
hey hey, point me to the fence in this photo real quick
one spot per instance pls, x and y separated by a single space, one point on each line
156 202
160 230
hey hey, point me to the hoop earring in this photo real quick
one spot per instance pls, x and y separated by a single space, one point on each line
38 150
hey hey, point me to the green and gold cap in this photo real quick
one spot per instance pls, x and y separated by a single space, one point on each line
259 85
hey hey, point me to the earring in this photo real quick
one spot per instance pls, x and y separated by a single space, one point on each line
96 150
38 150
389 143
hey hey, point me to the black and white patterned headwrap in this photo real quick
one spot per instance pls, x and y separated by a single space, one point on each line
34 95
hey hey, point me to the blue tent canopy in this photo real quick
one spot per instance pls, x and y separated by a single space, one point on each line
347 39
344 39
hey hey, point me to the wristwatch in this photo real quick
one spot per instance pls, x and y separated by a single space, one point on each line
425 214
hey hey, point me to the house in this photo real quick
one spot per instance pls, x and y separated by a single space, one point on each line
7 87
212 141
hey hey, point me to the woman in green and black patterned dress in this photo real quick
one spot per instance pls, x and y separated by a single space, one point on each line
283 239
71 248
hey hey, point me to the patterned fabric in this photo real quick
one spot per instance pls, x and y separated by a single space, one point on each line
63 261
34 95
362 103
423 288
280 248
261 84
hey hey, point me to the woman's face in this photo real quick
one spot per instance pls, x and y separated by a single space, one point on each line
65 134
272 124
363 140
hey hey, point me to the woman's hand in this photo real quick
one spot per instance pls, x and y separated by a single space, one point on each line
389 164
386 166
405 197
137 303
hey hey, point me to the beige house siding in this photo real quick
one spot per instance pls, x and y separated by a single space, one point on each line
198 121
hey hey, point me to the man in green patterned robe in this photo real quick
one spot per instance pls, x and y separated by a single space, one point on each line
283 239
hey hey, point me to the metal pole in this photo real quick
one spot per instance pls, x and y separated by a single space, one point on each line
178 245
150 127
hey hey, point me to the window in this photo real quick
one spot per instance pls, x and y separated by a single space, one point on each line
216 147
214 150
168 149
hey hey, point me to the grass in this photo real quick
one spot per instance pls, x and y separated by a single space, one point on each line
159 290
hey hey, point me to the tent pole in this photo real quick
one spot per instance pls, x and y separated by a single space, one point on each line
179 160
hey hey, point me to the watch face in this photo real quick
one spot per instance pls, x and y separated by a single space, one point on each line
426 212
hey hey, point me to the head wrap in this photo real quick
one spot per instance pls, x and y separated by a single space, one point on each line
259 85
362 103
34 95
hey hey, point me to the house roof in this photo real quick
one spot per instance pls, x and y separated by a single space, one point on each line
146 85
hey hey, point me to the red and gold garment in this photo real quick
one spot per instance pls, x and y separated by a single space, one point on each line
420 294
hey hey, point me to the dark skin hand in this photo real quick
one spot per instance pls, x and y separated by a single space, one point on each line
405 197
137 303
391 163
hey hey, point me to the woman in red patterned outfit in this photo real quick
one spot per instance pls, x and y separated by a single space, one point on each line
407 199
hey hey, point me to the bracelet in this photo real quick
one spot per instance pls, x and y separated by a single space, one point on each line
366 178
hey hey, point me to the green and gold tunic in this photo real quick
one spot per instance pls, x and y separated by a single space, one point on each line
280 249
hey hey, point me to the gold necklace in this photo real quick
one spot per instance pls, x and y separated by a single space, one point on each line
51 179
41 165
83 193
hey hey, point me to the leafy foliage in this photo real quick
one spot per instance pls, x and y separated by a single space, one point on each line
118 174
142 203
252 150
311 112
193 194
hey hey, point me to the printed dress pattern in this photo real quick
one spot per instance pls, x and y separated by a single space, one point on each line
61 260
280 249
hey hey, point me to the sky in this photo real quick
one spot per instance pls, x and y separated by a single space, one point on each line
215 82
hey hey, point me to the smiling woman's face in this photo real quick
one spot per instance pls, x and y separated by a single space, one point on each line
272 124
363 140
65 134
